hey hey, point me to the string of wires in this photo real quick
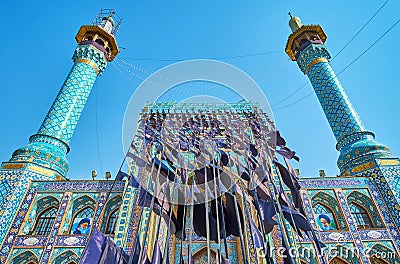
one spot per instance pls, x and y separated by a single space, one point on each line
344 69
212 58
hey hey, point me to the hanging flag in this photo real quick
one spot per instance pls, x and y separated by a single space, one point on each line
139 161
243 172
295 219
279 140
157 256
267 209
180 222
121 175
257 237
291 182
165 170
233 216
200 223
113 254
133 182
136 254
94 248
144 200
291 170
103 250
288 153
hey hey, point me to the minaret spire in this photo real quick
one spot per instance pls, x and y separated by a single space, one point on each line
48 147
356 145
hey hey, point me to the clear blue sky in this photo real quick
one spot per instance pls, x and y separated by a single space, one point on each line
38 42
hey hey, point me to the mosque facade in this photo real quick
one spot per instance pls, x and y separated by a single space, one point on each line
350 218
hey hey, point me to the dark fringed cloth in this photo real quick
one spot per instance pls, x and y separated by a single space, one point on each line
102 250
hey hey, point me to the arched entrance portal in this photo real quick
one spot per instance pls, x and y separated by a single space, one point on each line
201 256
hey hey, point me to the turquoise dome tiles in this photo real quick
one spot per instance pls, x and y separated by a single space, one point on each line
337 106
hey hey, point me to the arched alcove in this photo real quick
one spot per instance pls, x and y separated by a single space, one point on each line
201 256
46 213
110 215
364 202
67 257
26 257
322 199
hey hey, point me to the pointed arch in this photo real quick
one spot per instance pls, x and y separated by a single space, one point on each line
201 256
67 257
360 215
110 215
368 205
331 204
337 260
377 260
382 254
82 201
46 208
26 257
83 209
342 253
322 213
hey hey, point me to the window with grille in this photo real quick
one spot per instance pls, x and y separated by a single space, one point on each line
45 221
360 216
86 212
322 211
112 222
376 260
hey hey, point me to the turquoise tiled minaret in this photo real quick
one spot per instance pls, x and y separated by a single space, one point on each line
356 145
49 146
44 158
360 154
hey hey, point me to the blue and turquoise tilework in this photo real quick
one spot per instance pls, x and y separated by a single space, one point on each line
19 181
337 106
49 146
355 143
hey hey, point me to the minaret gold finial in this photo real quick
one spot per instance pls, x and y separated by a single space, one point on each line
294 22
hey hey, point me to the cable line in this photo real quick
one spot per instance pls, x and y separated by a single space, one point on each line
340 51
212 58
358 32
290 95
348 65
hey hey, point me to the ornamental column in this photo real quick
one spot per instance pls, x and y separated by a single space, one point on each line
357 146
48 147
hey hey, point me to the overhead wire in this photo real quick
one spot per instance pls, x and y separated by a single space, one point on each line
211 58
340 51
358 32
347 66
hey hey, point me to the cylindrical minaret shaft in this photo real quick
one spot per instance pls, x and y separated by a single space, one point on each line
63 115
341 114
48 147
356 145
